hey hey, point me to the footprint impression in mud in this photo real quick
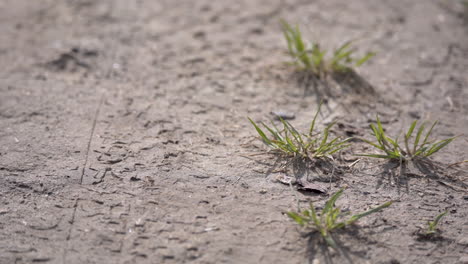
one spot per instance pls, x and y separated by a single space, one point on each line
115 154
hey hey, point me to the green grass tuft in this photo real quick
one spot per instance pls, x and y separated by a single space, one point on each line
293 143
310 57
421 145
328 220
432 225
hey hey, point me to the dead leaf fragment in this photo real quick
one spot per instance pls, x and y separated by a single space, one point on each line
311 187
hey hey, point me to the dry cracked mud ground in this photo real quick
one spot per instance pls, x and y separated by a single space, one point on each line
124 135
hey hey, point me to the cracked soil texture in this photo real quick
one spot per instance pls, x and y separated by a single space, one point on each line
124 135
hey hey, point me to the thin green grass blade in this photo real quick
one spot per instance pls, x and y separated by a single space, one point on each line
332 142
338 225
333 147
438 146
439 217
367 57
408 150
291 144
300 47
375 131
298 139
394 143
411 129
376 156
372 144
312 125
333 218
342 48
283 147
429 133
379 135
314 217
327 146
384 143
298 39
379 125
296 217
311 143
286 26
356 217
260 132
330 218
418 136
275 133
287 135
337 58
338 145
331 202
325 136
420 151
331 152
287 31
276 128
293 131
335 215
318 56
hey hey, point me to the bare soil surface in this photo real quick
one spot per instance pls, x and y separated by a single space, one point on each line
124 135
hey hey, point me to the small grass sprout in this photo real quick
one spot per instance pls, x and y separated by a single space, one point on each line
432 225
328 220
310 57
421 146
293 143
